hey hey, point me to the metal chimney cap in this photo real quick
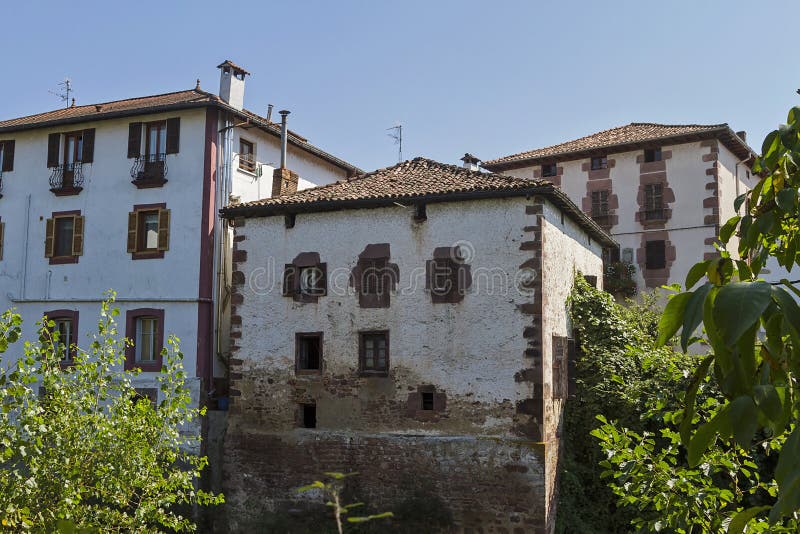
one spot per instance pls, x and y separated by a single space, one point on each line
284 112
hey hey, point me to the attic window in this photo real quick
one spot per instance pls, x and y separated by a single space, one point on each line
652 154
420 212
549 170
599 162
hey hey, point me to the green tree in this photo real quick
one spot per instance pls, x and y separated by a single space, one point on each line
81 451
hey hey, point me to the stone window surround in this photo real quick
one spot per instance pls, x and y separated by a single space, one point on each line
388 273
654 172
450 259
414 404
655 277
131 316
291 278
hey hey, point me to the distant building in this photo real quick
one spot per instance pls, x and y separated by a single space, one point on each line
662 191
409 324
125 195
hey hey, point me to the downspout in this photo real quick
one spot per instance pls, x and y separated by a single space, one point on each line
736 173
23 282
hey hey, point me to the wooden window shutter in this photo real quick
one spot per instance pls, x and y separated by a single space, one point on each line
289 277
323 282
77 235
48 240
2 234
8 156
133 219
88 146
173 135
163 229
134 139
53 144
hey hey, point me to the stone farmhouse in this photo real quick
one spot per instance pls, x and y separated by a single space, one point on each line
409 324
125 195
662 191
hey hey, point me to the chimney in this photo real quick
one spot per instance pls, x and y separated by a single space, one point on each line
284 181
742 135
470 162
231 83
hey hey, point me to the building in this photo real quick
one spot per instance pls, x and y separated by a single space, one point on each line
662 191
409 324
125 195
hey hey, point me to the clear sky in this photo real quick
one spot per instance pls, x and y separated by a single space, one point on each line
491 78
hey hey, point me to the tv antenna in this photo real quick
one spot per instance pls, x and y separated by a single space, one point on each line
65 89
397 134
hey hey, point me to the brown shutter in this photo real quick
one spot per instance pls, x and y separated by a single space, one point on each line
2 233
88 146
53 144
48 240
134 139
8 156
323 282
133 219
163 230
173 135
77 236
289 277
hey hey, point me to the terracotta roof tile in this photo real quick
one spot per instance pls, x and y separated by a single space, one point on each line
620 138
419 178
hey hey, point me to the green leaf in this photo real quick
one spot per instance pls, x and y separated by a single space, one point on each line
728 228
785 199
771 143
737 203
369 517
744 270
693 313
314 485
789 462
743 420
697 271
691 394
672 318
738 306
769 402
705 434
740 520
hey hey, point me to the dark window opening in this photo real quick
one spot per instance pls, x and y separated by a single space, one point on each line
420 212
655 255
289 220
652 154
309 416
549 170
309 352
427 400
600 162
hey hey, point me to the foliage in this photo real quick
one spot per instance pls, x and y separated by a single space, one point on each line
622 374
752 327
332 490
80 451
618 279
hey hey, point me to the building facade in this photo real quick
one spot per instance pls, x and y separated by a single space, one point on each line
662 191
125 195
409 324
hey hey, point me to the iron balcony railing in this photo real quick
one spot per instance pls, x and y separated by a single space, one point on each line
247 162
150 167
67 176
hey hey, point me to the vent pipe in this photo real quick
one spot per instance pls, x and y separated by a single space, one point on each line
269 113
284 136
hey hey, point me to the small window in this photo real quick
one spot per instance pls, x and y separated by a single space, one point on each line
64 237
420 212
599 162
652 154
148 231
309 352
312 281
146 344
247 161
549 170
599 204
374 352
427 400
6 156
655 254
309 412
448 276
305 279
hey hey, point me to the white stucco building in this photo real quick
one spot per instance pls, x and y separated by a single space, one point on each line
662 191
409 324
125 195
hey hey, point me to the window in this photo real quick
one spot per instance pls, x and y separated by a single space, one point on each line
149 395
65 333
654 201
652 154
308 352
655 254
374 352
145 328
156 138
426 403
374 276
600 203
160 138
420 212
309 415
148 231
6 156
247 156
64 237
599 162
448 276
305 279
427 400
549 170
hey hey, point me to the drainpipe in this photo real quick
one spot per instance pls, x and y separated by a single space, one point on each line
736 174
25 250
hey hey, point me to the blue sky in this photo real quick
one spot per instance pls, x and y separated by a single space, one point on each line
491 78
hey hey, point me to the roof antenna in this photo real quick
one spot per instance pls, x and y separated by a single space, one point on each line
397 135
64 92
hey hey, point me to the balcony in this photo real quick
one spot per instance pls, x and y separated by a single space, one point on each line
653 215
149 171
247 163
604 220
67 179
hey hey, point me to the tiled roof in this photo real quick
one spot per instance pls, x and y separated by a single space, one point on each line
418 179
155 104
625 137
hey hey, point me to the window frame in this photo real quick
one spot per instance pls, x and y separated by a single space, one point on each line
460 275
292 283
244 164
72 316
601 203
298 338
131 321
138 252
649 262
362 353
551 172
162 128
597 163
651 155
55 259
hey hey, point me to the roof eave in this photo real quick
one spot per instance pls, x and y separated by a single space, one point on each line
558 197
